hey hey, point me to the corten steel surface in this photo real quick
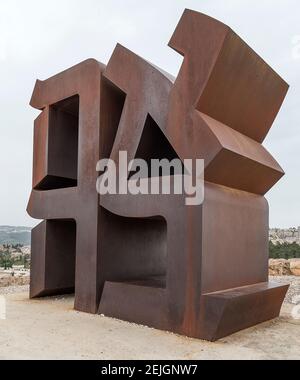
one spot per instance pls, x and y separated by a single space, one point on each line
66 149
201 270
220 108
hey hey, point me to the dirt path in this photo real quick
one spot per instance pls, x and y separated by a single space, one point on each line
51 329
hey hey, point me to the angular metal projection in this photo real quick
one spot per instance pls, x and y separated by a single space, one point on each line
200 271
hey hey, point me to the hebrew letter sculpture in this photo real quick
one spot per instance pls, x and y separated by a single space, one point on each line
201 271
68 141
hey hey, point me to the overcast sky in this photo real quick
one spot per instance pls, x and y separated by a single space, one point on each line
39 39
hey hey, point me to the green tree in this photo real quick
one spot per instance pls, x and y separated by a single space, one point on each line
284 251
6 260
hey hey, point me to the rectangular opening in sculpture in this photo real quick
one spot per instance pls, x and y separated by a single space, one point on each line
136 249
62 145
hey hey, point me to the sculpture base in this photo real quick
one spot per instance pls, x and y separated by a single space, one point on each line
142 304
222 313
233 310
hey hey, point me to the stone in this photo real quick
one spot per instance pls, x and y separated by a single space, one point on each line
279 267
295 267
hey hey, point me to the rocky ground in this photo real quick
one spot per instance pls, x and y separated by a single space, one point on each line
14 278
294 289
49 328
14 289
293 292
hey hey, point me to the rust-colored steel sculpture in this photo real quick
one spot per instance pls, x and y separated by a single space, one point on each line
200 271
68 142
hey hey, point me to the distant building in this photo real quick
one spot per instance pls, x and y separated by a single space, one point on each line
25 250
280 236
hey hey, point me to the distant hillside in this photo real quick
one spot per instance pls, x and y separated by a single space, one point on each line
15 235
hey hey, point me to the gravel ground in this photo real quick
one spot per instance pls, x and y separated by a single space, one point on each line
68 334
50 328
294 289
14 289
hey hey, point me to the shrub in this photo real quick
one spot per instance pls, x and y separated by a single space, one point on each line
284 251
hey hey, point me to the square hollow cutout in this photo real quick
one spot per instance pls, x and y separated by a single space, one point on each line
53 258
62 148
138 246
